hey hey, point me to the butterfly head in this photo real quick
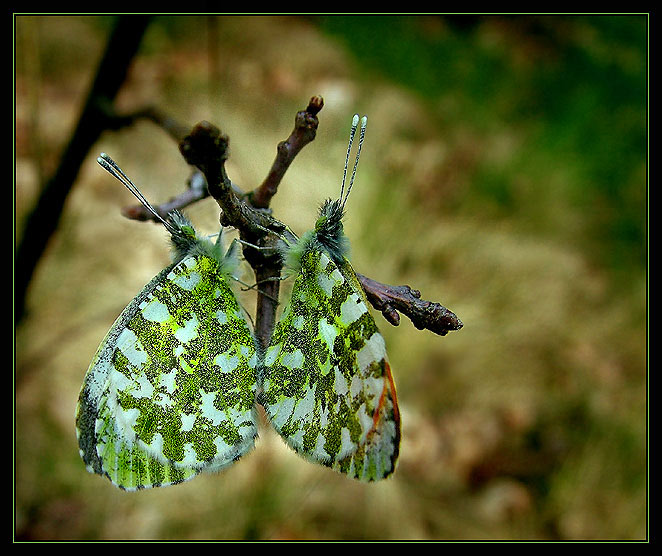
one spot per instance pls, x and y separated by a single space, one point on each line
186 242
329 234
330 217
182 234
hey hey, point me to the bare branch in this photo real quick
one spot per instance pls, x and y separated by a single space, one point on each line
207 148
423 314
305 129
172 127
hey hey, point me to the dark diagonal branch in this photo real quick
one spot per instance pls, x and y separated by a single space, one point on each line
42 222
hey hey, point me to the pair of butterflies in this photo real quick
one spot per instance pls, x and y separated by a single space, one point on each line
173 387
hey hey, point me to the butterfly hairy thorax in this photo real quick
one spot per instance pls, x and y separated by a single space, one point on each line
173 387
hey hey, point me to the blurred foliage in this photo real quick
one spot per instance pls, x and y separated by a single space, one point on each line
504 175
572 88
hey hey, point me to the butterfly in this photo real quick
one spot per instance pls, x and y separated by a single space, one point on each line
171 389
326 384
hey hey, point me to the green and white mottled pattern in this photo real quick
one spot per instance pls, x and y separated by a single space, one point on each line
173 386
171 389
327 386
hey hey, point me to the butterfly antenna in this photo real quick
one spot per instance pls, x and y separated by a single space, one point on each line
114 170
352 132
364 123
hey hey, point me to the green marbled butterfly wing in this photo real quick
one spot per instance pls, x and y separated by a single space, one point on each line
328 388
171 390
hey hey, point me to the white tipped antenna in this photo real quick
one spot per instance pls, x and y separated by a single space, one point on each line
114 170
352 132
355 123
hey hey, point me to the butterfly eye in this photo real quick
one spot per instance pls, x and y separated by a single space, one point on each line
321 223
188 231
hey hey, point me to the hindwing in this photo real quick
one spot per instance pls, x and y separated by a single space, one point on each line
171 389
328 388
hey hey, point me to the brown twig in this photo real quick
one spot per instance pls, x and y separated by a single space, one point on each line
207 148
305 129
393 300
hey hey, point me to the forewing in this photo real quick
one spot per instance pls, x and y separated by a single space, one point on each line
171 390
328 388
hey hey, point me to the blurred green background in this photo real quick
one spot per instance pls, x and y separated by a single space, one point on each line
504 175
